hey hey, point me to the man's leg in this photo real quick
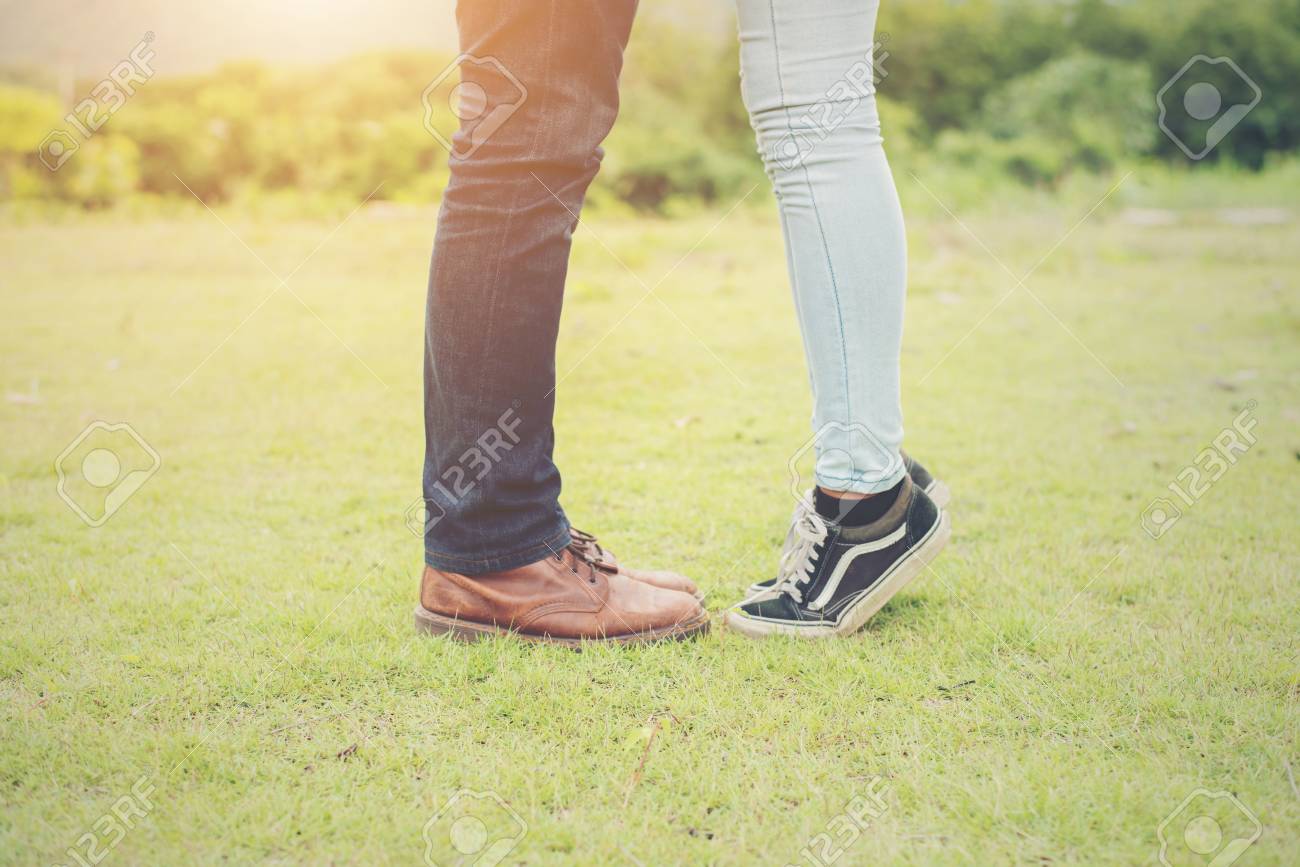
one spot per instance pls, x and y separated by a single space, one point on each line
547 73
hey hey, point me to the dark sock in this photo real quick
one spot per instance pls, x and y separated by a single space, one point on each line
855 513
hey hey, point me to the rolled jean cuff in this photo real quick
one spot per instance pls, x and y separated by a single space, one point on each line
862 486
548 547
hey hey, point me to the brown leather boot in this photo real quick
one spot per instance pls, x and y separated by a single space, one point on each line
660 578
565 599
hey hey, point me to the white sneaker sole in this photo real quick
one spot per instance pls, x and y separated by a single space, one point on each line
860 610
939 492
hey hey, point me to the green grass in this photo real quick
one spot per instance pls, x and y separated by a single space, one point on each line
240 631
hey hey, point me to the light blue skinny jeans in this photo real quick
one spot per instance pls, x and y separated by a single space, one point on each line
807 79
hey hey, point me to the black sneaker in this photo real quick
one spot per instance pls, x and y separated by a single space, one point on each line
832 579
920 476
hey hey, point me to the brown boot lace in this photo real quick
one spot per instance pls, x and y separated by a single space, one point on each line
587 543
585 557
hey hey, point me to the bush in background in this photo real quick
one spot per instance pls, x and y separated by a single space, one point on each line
1025 91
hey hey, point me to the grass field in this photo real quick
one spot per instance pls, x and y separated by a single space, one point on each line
231 654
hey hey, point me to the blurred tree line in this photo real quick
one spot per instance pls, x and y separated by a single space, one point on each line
1024 90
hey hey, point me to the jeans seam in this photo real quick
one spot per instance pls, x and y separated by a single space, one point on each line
821 229
494 282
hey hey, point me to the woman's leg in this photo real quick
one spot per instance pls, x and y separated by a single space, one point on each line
807 78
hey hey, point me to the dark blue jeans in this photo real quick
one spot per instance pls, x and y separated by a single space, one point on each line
541 78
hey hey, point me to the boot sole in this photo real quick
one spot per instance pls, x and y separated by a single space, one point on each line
469 631
866 606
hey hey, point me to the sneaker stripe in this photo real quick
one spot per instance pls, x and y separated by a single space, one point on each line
828 592
848 603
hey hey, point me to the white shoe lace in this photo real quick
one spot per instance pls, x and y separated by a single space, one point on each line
806 534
